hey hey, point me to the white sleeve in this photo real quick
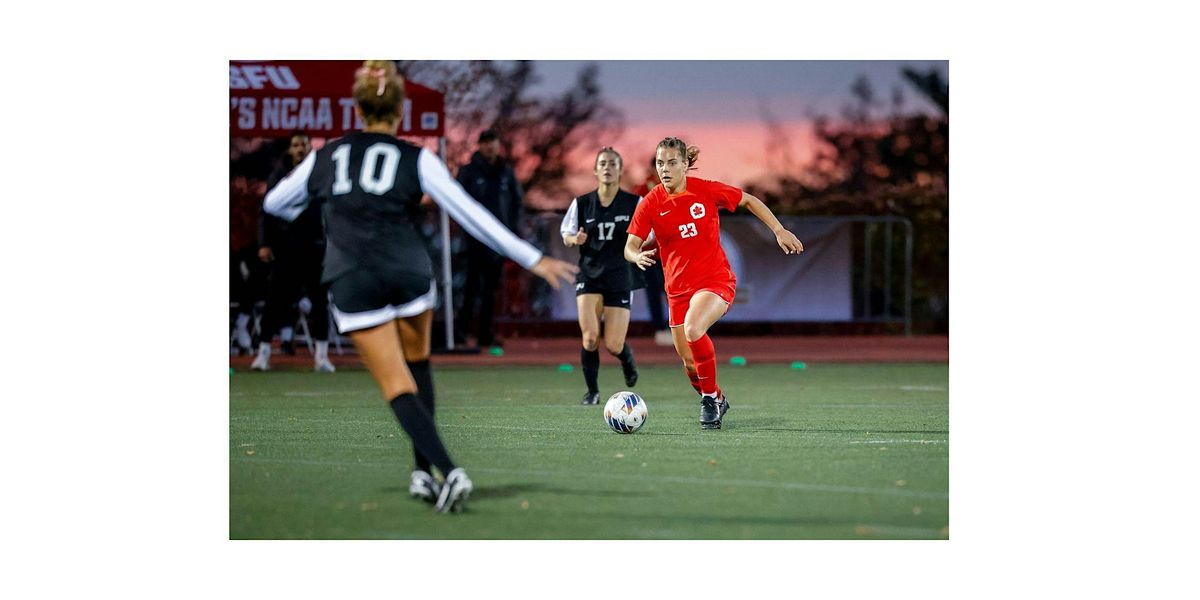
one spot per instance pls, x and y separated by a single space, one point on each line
289 197
482 225
570 223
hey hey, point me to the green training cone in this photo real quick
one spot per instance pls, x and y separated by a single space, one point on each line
798 365
496 351
565 368
738 361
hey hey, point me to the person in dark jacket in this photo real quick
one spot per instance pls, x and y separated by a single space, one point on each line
490 180
295 252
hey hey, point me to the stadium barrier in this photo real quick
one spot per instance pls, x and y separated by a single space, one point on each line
853 271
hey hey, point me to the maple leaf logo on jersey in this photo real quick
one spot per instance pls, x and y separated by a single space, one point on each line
697 210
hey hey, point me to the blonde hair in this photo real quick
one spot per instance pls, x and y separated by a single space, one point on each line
692 153
378 91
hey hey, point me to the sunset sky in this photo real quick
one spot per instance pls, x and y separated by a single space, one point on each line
717 105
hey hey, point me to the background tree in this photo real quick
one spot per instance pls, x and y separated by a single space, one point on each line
542 133
873 162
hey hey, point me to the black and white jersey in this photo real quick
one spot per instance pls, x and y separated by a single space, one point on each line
602 257
370 186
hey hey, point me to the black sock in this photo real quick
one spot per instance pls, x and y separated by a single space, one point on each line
418 424
421 374
626 355
590 360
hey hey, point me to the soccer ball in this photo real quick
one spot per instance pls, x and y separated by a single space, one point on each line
625 412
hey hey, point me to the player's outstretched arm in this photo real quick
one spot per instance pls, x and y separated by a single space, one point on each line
635 254
787 240
289 197
482 225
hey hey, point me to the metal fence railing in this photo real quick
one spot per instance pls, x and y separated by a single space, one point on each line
882 272
882 266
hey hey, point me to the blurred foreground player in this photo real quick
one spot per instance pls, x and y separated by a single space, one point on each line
682 214
369 184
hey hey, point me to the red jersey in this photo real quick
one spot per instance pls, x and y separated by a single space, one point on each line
688 232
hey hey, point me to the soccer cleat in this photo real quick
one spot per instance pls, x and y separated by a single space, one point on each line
322 365
262 362
631 372
711 411
287 347
455 491
424 487
591 398
663 338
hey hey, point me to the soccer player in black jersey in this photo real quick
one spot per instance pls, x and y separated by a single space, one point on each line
369 185
596 223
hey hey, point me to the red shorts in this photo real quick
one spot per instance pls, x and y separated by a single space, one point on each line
678 306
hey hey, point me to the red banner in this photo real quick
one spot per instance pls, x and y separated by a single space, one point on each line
273 98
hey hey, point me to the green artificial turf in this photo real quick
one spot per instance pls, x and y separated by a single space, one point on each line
829 451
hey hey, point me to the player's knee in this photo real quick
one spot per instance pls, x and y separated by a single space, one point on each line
614 348
692 331
689 365
590 341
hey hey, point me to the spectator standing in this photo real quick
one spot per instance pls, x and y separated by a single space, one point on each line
295 252
490 180
247 274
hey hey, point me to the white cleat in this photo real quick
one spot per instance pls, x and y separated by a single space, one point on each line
455 491
262 362
663 338
322 365
424 487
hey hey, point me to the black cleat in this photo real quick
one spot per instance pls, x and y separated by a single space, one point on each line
287 348
631 373
711 411
591 398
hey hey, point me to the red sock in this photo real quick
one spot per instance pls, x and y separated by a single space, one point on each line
705 357
693 378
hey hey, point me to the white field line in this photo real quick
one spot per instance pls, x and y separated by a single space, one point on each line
868 405
576 475
596 431
905 531
878 388
898 441
322 394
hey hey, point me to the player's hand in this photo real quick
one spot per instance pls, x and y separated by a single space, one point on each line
265 254
788 242
643 260
552 270
581 237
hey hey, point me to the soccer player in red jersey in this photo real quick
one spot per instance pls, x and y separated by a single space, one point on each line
682 213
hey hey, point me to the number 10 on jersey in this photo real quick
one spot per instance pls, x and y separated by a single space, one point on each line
367 180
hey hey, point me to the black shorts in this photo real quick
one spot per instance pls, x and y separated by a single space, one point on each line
362 298
616 297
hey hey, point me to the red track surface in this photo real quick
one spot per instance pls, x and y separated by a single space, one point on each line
553 351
